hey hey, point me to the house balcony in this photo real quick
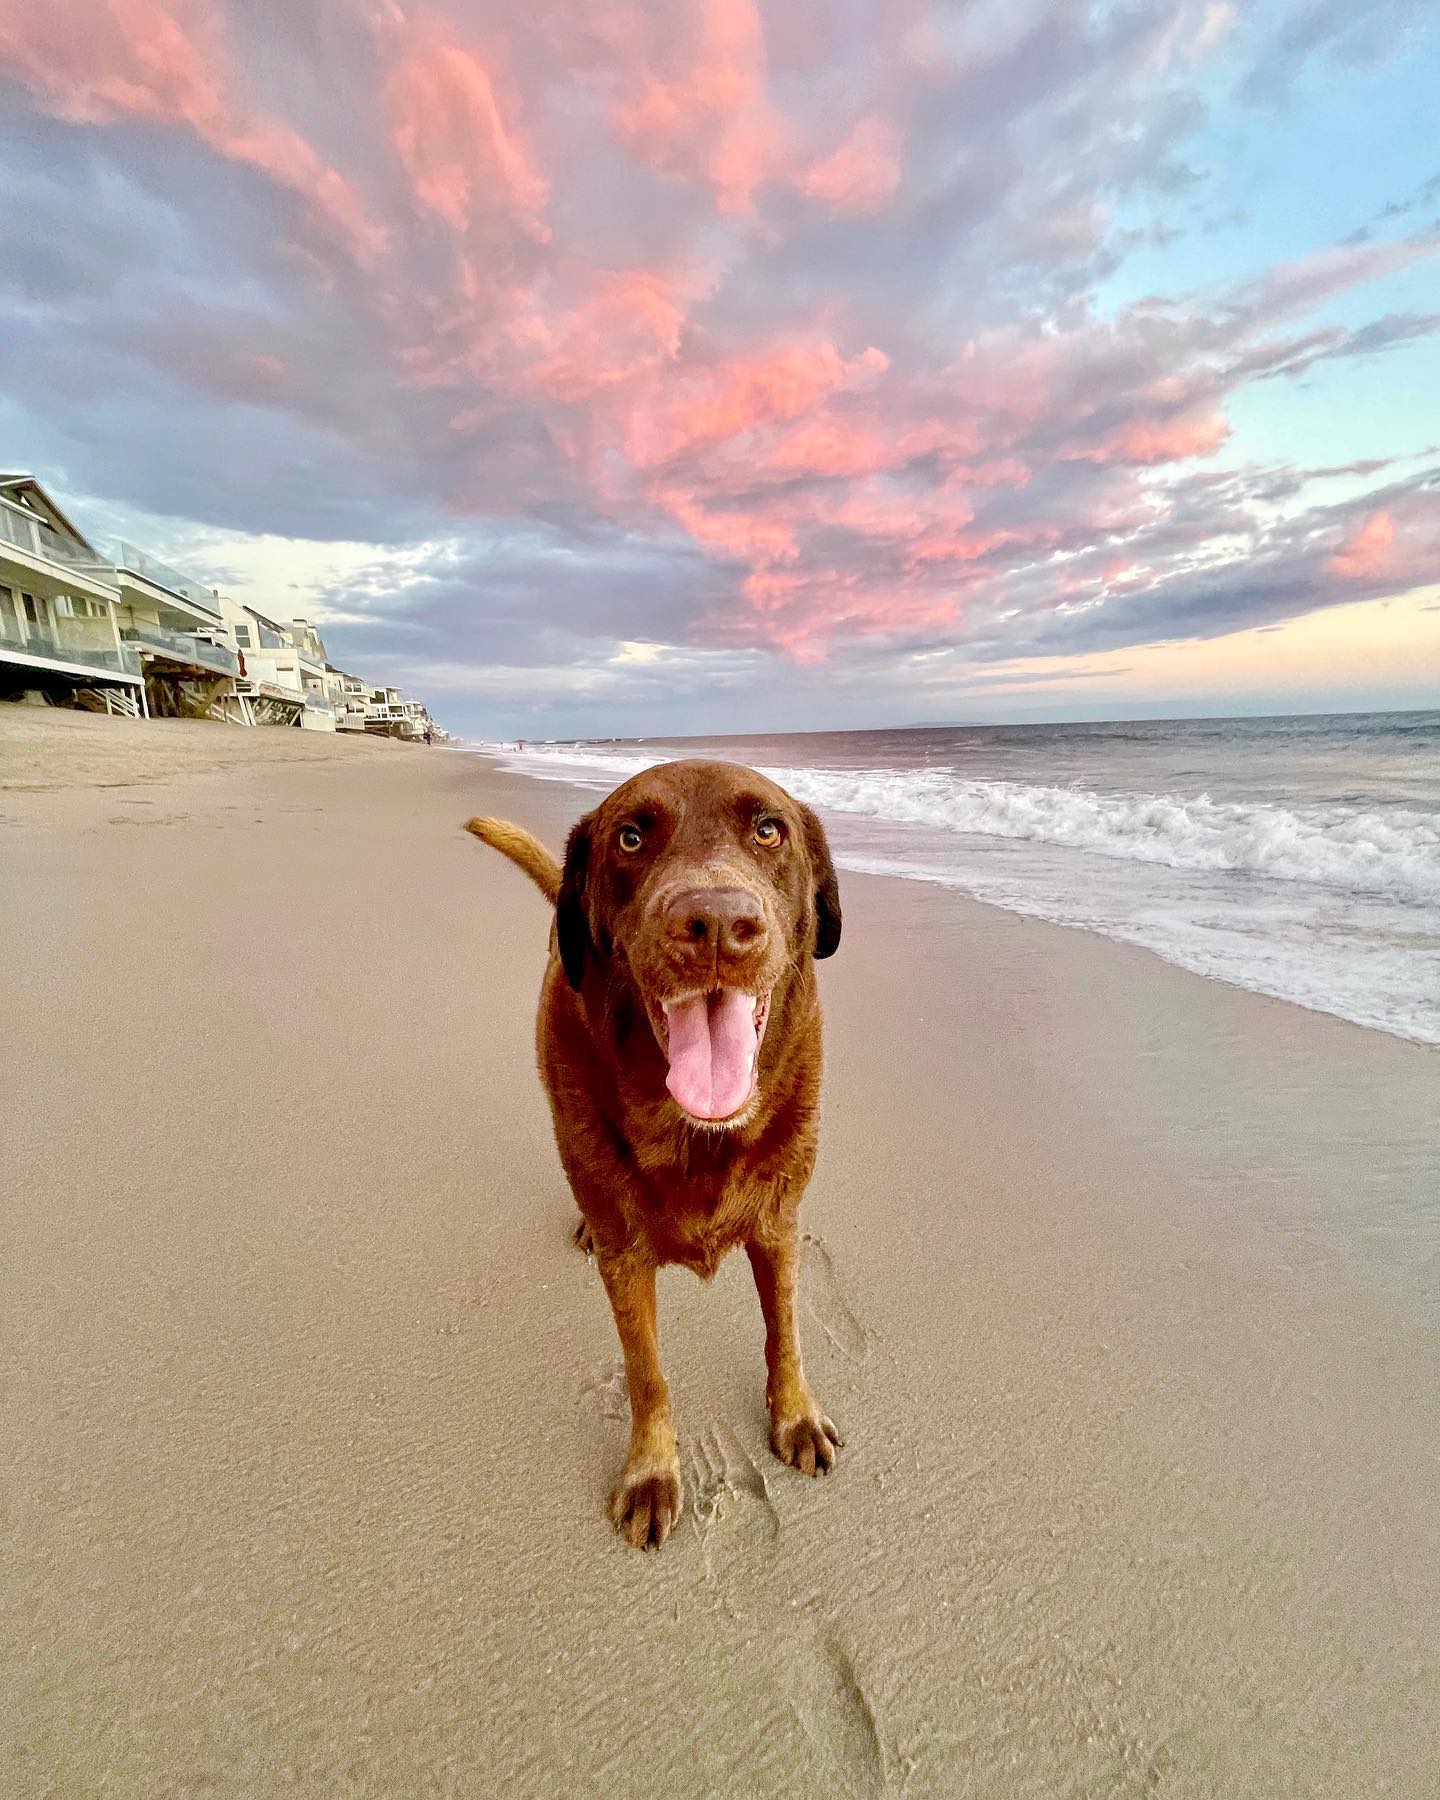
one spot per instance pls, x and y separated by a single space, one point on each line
260 689
182 647
74 647
144 577
38 559
319 714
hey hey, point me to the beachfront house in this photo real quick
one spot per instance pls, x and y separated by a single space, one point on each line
59 623
385 712
283 678
130 633
382 710
418 720
388 712
176 628
347 698
313 668
269 692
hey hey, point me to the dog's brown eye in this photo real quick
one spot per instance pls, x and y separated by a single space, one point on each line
768 833
631 839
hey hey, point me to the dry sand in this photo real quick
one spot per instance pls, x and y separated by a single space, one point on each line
1120 1285
42 748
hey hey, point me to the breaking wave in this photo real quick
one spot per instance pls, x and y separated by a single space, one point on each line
1393 852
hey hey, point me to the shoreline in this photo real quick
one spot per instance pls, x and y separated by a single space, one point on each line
1191 959
1118 1282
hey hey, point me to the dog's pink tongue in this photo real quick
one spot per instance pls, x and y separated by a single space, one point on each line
712 1053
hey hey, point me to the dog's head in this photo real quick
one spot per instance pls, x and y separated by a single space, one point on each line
708 888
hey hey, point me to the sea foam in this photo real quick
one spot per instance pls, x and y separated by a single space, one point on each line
1394 852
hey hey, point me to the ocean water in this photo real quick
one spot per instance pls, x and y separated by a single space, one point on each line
1299 857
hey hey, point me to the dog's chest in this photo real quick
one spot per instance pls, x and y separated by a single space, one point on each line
697 1218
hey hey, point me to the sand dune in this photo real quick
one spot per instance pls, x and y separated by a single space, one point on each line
1117 1284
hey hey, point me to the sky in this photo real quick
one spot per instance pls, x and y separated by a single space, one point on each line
638 367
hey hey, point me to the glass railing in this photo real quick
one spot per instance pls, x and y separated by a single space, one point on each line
160 574
54 647
183 646
18 528
26 532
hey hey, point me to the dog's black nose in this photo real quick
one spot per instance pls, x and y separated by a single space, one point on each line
726 920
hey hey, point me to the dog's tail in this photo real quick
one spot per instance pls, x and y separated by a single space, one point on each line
526 852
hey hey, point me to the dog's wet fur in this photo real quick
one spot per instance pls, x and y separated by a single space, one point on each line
694 879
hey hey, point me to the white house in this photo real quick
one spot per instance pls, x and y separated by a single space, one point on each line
384 712
59 620
283 678
314 672
347 697
176 627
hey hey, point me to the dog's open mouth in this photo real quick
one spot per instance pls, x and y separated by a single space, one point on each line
712 1044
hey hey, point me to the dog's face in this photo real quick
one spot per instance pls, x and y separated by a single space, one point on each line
708 887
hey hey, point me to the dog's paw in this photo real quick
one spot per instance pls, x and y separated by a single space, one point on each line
646 1505
583 1237
809 1443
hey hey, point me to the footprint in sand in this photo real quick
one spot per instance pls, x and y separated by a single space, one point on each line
836 1712
718 1470
607 1392
827 1305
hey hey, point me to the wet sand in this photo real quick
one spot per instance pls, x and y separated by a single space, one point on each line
1120 1284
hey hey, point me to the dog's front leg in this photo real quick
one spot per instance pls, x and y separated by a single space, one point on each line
647 1502
800 1434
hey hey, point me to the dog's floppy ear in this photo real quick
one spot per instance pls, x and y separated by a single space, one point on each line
827 888
572 931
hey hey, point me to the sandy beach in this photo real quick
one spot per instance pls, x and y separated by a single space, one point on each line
1120 1284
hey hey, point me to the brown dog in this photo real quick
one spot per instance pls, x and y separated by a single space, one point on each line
679 1043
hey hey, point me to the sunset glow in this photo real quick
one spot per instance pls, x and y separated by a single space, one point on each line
772 346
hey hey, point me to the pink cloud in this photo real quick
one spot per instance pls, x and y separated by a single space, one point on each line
698 111
862 175
799 613
742 394
1366 553
581 273
165 61
446 124
626 325
1150 441
747 536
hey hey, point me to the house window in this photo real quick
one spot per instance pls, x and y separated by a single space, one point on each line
38 616
242 636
